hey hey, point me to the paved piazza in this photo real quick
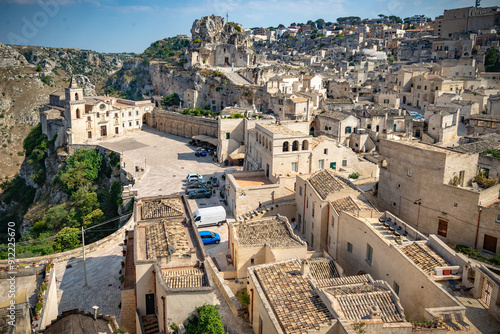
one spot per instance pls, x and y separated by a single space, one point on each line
167 160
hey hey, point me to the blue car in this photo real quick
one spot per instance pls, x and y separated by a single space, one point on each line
209 237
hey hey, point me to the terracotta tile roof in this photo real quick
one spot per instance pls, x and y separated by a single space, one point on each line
163 208
345 204
323 269
356 302
297 306
166 233
424 257
325 183
185 278
346 280
274 231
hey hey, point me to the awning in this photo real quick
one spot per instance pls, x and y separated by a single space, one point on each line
239 153
207 139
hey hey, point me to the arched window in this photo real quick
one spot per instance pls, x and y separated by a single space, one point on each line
77 113
76 97
285 146
295 145
305 145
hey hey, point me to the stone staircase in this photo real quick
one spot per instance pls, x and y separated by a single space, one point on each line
150 324
238 79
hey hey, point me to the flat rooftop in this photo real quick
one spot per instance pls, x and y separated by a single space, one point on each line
274 231
424 146
279 129
251 181
424 257
297 306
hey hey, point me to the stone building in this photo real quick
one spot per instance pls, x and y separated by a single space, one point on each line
432 189
77 119
320 198
311 295
481 124
468 19
336 125
442 124
279 150
165 274
263 241
215 43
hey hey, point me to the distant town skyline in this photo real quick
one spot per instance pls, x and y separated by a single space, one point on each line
131 26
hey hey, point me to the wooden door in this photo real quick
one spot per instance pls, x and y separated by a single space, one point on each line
150 303
104 131
490 243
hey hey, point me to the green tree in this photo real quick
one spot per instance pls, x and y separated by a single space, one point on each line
320 23
207 321
171 100
280 26
85 201
93 218
66 239
312 24
491 60
34 138
56 217
81 170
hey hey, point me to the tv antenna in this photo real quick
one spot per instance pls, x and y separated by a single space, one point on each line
227 14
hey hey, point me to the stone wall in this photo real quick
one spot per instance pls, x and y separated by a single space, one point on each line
127 315
184 125
50 307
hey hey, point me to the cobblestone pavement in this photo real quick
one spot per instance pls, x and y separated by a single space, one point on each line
168 159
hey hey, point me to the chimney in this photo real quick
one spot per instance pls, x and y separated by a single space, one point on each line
95 311
305 269
375 313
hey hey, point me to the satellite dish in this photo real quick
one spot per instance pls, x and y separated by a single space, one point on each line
171 249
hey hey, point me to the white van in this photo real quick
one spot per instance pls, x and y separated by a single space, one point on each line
215 215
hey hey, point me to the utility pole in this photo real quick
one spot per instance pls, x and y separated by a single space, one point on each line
84 268
227 17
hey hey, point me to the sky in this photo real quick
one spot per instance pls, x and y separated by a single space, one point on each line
131 26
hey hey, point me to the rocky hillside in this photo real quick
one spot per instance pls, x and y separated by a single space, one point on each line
27 76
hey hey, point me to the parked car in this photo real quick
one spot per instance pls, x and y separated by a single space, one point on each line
215 182
194 177
196 186
199 193
209 237
195 181
200 152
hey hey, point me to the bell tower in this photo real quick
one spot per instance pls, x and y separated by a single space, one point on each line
75 108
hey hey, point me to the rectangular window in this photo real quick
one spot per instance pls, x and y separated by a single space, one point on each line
89 118
369 254
344 163
294 167
98 115
300 191
130 113
325 151
228 135
396 288
409 172
137 112
333 221
442 228
252 262
497 220
321 163
312 240
136 122
314 206
349 247
129 123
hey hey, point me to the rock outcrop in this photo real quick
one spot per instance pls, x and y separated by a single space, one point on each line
10 58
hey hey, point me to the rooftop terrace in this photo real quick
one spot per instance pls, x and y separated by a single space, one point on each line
251 181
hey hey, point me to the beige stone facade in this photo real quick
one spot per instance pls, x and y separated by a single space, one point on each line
82 119
431 188
460 20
